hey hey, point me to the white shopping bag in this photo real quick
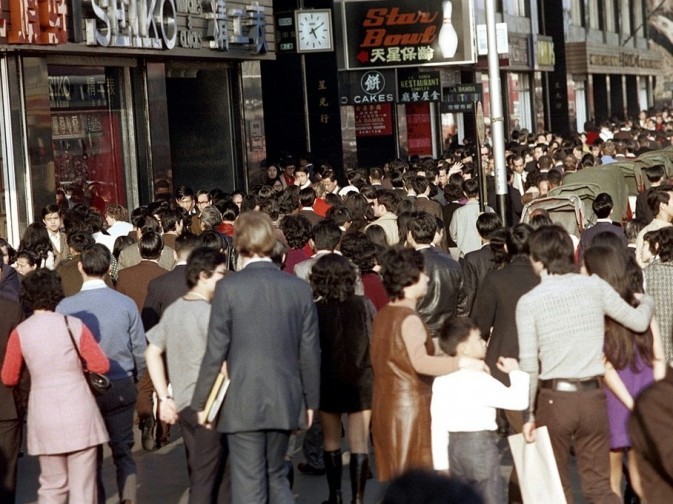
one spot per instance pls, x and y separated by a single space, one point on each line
536 468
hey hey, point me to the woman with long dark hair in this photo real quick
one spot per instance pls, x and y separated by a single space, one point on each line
344 321
633 360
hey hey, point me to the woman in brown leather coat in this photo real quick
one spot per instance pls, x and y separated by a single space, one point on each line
404 362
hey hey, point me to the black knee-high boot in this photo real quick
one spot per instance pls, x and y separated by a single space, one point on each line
359 468
333 467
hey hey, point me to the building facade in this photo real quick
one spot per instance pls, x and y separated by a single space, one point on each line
121 101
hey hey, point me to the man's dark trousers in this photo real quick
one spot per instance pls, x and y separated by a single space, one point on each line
117 406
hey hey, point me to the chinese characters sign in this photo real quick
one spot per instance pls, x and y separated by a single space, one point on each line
373 120
374 86
418 86
408 33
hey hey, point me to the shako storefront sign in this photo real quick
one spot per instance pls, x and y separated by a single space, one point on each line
397 33
220 25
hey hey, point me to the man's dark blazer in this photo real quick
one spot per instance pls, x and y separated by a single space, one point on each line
495 307
10 285
71 278
475 265
589 234
311 216
643 211
264 324
133 281
445 297
163 291
429 206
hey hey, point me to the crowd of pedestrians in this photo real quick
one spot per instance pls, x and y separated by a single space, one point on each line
392 315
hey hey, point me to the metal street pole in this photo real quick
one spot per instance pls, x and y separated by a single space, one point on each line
497 119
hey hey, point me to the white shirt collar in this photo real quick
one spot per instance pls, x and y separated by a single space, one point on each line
95 283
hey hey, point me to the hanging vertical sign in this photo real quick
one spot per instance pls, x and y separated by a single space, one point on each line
415 33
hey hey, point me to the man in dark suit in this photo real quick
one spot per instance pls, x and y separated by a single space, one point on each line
11 406
445 297
71 278
602 207
477 263
133 282
306 200
493 311
655 175
421 186
165 289
264 325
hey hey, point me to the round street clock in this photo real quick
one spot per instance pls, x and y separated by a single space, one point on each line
314 30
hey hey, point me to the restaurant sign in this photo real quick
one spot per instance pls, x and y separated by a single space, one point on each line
399 33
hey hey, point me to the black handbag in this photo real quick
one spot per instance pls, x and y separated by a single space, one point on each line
98 383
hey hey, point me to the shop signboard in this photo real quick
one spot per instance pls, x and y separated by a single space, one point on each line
418 85
372 86
419 129
411 33
373 120
232 26
461 97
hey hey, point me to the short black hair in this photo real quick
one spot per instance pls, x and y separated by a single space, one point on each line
95 260
487 223
602 205
340 214
150 245
655 173
214 240
552 246
422 227
50 209
471 188
326 235
387 198
307 197
183 191
230 211
202 260
170 219
419 184
657 196
79 241
455 331
400 268
42 290
186 242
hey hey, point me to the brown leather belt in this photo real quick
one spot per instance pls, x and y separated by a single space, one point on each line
570 385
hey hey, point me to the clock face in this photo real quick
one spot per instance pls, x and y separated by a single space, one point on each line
314 30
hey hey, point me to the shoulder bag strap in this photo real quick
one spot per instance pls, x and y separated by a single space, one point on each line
72 338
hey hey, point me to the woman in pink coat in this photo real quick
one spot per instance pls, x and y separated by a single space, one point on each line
64 423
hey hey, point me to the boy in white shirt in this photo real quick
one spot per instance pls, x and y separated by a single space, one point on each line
463 411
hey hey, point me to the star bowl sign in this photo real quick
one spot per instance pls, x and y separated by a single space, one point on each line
399 33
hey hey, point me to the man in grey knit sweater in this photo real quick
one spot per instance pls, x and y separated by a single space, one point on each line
561 329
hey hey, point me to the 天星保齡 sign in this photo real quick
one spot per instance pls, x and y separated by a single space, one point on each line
401 33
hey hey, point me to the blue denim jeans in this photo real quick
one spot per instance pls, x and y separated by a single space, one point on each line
474 458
